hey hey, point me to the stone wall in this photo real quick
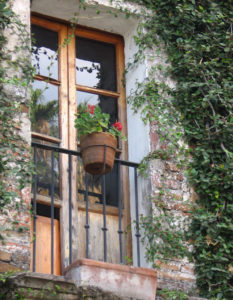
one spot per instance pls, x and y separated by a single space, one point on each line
40 286
15 252
15 217
172 274
31 286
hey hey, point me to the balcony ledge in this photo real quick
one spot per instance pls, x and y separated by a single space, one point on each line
124 281
34 286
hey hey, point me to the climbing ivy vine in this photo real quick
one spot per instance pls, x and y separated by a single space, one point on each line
198 38
15 76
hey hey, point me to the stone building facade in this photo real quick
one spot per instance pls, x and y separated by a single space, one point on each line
15 252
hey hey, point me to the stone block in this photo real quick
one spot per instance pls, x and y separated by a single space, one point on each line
6 267
34 286
5 256
188 269
171 167
124 281
154 140
21 256
169 265
177 276
173 184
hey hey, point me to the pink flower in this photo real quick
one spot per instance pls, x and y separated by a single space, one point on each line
91 109
118 126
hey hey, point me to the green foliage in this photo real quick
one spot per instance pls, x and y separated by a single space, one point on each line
41 111
197 36
5 275
90 119
172 295
163 235
14 73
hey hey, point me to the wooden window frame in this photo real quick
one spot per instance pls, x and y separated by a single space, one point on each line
67 105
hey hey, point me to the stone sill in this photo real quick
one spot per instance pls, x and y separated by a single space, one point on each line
125 281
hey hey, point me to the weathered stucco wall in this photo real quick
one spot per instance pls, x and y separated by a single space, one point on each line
141 138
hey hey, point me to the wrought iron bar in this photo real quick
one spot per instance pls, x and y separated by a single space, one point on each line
77 153
70 210
87 224
52 211
120 163
104 228
120 231
34 209
137 216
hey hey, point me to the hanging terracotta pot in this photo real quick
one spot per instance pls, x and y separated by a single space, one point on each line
93 153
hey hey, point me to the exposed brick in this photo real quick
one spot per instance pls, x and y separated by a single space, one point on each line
11 245
179 177
154 140
173 184
176 276
171 167
187 269
168 266
179 206
5 256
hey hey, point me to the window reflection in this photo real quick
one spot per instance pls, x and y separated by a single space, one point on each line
83 97
44 108
44 172
87 73
44 52
95 64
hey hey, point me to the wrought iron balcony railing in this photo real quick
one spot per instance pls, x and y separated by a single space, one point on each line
51 169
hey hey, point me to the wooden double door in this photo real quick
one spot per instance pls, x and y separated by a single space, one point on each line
73 65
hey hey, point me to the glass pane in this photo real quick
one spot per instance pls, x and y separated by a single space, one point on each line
44 51
95 64
107 104
44 172
94 186
44 108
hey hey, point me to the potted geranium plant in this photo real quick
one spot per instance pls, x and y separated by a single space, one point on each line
98 140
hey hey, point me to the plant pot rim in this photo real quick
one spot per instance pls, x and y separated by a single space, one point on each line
93 133
98 149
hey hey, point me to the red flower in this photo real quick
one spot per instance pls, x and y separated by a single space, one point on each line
118 126
91 109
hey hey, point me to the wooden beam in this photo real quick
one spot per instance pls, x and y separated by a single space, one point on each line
92 90
47 200
47 79
45 137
